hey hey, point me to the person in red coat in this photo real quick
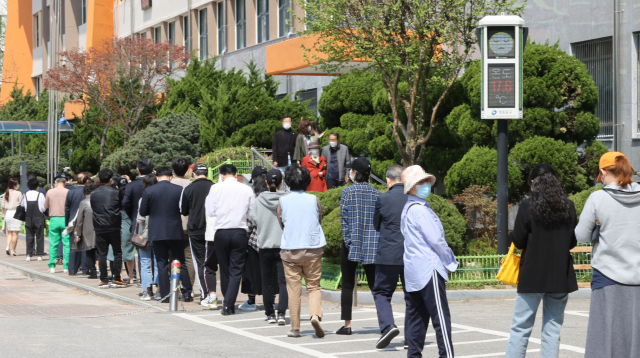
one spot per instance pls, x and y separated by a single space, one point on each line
317 166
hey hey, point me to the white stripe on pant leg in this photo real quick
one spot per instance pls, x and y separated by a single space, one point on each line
443 326
195 266
204 269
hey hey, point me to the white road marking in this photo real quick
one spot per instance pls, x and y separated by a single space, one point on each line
365 339
323 322
333 332
257 337
505 334
426 346
578 313
499 354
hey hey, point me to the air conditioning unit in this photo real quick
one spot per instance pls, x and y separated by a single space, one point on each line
146 4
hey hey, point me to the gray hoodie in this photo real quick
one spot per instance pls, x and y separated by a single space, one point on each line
617 253
263 215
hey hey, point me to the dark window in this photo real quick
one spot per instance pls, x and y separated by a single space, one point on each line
202 30
241 25
221 27
171 33
157 34
284 18
84 12
37 30
185 32
638 86
310 95
597 55
263 20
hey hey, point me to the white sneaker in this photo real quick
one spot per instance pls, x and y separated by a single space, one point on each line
52 270
247 307
65 271
28 258
210 302
39 258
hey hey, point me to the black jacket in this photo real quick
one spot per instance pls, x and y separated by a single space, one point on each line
105 204
386 220
547 265
74 197
282 147
161 202
132 195
193 197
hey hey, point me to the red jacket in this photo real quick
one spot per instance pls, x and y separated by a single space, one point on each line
318 183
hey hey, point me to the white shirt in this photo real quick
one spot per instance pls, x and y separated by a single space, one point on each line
230 203
32 195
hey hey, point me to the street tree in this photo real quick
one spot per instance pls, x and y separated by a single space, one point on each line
417 46
123 77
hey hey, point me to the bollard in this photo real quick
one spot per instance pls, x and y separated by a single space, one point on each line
175 277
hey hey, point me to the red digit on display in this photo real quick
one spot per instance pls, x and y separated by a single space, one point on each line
507 86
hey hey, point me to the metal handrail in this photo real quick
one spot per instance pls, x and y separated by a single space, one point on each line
265 163
375 178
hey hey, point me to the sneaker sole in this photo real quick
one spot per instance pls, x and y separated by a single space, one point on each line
317 328
384 341
282 323
118 286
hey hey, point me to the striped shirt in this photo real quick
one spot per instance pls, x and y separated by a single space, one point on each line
357 205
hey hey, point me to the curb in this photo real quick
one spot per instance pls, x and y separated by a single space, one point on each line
96 291
366 298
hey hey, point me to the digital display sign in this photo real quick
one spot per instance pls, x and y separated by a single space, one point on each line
501 87
501 42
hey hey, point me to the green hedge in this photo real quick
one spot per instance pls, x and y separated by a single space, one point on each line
579 199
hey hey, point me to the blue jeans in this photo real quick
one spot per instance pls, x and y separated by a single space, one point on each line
524 315
145 267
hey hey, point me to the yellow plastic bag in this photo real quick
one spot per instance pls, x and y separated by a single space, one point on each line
510 267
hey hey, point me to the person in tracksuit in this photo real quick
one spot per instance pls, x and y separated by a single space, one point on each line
205 260
427 258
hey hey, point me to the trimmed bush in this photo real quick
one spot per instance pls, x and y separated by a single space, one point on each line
455 227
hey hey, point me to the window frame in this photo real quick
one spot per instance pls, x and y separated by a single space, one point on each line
157 34
284 18
241 25
185 33
262 21
220 22
37 30
83 15
203 38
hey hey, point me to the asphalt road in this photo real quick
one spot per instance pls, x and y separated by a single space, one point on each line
39 318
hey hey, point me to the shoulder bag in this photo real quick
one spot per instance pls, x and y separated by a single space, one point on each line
510 267
21 212
139 241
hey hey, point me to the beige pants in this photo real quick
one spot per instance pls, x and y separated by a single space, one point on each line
311 271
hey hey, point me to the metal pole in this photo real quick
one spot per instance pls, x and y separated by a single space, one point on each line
23 175
132 21
188 29
616 58
19 143
503 187
253 159
175 277
12 144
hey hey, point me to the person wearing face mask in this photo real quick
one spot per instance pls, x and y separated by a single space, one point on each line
427 258
357 207
317 166
308 133
337 157
283 145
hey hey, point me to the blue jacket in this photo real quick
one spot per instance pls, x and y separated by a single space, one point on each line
132 195
74 198
386 221
161 203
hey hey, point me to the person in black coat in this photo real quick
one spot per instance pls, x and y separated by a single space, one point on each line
133 190
544 229
74 197
284 144
389 264
161 202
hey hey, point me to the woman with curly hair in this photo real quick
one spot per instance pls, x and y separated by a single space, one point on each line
544 230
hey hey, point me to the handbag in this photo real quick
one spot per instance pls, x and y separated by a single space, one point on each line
510 267
20 214
139 241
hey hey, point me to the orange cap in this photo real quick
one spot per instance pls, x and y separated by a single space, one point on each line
608 159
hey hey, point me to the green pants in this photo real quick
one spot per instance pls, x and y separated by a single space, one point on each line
56 227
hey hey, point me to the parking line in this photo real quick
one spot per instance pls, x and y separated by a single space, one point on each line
262 318
257 337
365 339
426 346
499 354
333 332
578 313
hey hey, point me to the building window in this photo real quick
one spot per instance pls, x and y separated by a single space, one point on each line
263 20
202 32
185 32
36 32
638 85
171 33
597 55
157 34
84 12
36 85
221 26
241 26
310 95
284 18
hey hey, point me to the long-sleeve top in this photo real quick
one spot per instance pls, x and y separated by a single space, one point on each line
230 203
183 183
32 195
386 220
15 199
357 206
142 222
84 225
425 248
55 200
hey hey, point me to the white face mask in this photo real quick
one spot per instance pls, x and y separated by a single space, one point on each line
352 176
309 128
333 144
286 125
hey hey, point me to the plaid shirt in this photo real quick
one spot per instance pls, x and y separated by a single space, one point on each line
357 205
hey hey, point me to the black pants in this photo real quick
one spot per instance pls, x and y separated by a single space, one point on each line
210 268
35 235
103 240
251 275
331 183
231 249
429 303
385 286
271 266
75 256
161 250
198 253
90 261
349 269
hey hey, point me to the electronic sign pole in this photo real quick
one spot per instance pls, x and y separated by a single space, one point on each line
501 40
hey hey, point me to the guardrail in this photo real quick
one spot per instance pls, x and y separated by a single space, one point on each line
264 162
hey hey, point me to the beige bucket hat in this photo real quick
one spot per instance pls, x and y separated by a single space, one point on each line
414 175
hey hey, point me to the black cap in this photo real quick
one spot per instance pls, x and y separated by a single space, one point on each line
361 165
258 170
61 176
274 176
200 166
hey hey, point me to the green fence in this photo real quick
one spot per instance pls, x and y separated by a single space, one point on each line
243 166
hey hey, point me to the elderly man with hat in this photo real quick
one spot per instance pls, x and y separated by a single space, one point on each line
54 201
427 261
357 206
317 167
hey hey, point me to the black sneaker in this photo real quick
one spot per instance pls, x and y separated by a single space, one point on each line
271 319
188 299
226 311
406 344
344 331
388 334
